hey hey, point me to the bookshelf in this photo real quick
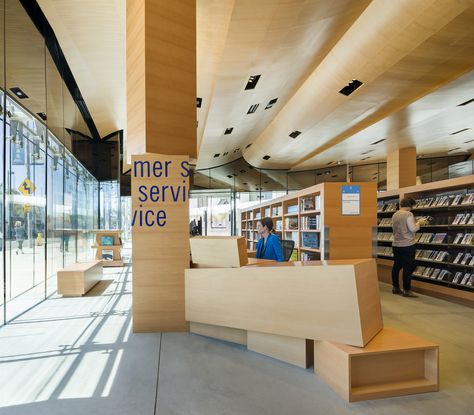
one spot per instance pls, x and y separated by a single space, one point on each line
444 246
313 219
109 246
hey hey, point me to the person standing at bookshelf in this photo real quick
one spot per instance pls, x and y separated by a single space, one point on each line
268 246
404 250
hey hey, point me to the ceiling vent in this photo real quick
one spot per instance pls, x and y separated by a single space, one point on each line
252 83
468 141
271 103
253 108
466 102
350 87
267 157
377 142
217 155
248 145
198 102
454 149
460 131
365 158
18 92
295 134
366 152
228 131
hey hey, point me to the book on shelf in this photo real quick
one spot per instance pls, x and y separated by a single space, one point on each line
435 273
456 200
465 278
309 256
467 239
457 277
465 218
292 209
258 215
457 219
458 238
470 282
439 238
108 254
466 258
310 240
276 210
291 224
468 199
308 203
278 225
267 212
107 240
471 262
458 258
310 222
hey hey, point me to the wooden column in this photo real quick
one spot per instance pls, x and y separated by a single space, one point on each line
401 168
161 128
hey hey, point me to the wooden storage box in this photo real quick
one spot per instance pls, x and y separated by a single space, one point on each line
393 363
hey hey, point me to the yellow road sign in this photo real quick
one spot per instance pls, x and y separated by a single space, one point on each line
27 187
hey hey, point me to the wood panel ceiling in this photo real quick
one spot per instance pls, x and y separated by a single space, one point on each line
415 59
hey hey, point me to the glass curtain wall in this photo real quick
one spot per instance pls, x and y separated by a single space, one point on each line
48 200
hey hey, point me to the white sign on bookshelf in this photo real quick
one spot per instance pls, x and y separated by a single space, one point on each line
351 200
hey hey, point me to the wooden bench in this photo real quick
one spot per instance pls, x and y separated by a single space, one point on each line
77 279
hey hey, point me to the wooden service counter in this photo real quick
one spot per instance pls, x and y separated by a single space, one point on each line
334 300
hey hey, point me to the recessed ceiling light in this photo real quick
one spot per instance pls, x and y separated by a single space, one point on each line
253 108
379 141
295 134
198 102
460 131
42 115
466 102
18 92
252 82
468 141
366 152
245 184
267 157
229 176
271 103
248 145
228 130
225 154
350 87
217 154
365 158
454 149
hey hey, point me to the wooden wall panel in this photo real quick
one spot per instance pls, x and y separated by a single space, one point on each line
401 168
350 236
160 254
170 47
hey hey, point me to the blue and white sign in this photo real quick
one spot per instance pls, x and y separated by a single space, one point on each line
351 200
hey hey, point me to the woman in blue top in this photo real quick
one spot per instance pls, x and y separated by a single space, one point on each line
268 246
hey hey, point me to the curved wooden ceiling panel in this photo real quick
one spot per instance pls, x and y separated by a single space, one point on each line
401 51
283 41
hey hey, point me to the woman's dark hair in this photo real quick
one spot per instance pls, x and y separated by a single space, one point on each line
267 222
407 202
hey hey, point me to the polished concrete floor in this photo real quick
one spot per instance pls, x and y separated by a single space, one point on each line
77 356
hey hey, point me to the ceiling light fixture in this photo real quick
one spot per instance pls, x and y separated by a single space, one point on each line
267 157
350 87
18 92
295 134
252 82
379 141
460 131
253 108
454 149
217 154
271 103
228 130
466 102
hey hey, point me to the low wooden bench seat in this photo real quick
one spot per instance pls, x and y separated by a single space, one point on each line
76 279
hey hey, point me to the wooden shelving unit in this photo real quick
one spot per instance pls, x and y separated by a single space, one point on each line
116 247
444 284
313 219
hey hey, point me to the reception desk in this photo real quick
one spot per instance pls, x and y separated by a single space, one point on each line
332 300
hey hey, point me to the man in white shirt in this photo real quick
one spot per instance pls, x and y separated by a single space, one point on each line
404 229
